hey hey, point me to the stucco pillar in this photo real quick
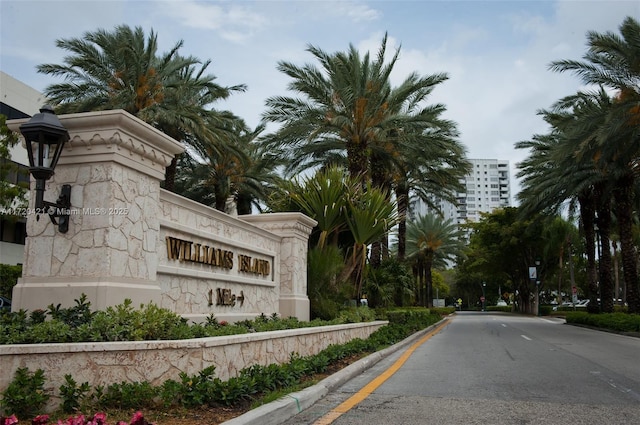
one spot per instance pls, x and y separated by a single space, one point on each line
114 163
294 228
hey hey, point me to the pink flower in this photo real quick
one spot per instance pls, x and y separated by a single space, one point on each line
40 420
138 419
99 418
223 323
11 420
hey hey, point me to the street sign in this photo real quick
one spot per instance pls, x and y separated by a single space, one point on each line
533 273
574 290
459 301
482 299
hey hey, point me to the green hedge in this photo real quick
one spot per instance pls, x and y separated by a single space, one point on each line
620 322
504 308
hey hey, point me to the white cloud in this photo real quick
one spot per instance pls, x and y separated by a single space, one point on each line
231 21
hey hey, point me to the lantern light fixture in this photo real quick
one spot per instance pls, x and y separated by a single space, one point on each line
45 137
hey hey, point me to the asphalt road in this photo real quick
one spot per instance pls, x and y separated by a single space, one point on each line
485 368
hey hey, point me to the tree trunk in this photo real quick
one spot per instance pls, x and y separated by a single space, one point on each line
170 175
606 279
624 209
402 199
429 280
587 215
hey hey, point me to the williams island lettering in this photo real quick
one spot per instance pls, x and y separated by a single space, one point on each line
178 249
189 251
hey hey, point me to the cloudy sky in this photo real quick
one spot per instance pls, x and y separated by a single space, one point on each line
496 53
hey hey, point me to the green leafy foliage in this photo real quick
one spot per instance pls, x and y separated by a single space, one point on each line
326 288
25 396
126 323
8 278
74 396
389 285
11 195
620 322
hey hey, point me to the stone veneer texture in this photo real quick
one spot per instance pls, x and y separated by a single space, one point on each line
157 361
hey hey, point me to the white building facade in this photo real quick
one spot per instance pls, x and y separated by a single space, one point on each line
487 187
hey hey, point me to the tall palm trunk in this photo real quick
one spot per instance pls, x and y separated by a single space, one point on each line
402 201
378 179
429 279
604 263
624 201
170 175
587 216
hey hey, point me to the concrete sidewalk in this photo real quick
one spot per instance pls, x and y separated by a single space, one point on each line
290 405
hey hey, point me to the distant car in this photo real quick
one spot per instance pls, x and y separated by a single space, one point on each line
564 304
5 303
501 303
582 303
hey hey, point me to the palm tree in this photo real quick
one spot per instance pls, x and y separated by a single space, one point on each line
431 241
345 108
348 114
245 174
123 70
613 61
432 166
564 166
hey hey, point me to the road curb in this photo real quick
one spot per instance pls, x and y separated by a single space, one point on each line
281 410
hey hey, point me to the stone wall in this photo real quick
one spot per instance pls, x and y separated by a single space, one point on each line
157 361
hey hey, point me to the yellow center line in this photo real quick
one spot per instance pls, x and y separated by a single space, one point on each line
352 401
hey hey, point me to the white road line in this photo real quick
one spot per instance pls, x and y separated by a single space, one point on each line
526 337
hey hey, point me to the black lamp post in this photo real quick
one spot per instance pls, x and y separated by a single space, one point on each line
45 137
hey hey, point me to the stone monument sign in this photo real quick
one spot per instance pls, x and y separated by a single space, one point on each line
130 239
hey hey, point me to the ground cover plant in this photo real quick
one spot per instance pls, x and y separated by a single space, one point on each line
202 390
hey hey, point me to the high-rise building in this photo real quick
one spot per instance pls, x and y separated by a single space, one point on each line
487 188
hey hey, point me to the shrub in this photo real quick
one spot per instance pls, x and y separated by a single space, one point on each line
621 322
506 309
327 293
25 396
74 396
390 284
545 310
